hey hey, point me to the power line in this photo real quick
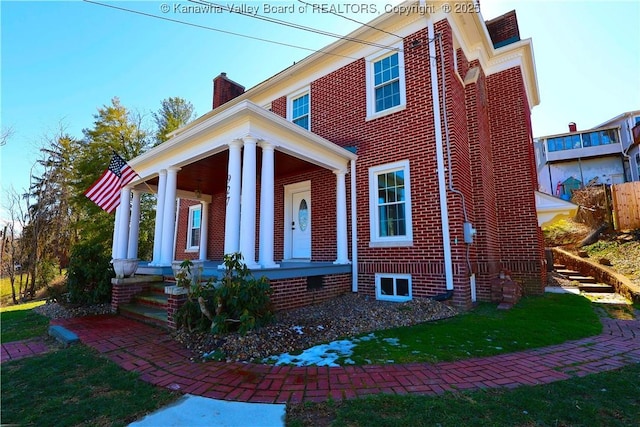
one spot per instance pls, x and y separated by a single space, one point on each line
324 9
150 15
242 12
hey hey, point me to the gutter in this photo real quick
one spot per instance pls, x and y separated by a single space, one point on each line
442 185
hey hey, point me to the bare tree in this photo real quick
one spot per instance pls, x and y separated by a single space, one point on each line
12 255
5 134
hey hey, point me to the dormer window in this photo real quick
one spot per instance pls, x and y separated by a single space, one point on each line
299 108
385 82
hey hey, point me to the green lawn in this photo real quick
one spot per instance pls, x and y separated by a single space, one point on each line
19 322
484 331
75 387
606 399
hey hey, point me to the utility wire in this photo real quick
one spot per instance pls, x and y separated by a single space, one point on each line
238 11
324 9
218 30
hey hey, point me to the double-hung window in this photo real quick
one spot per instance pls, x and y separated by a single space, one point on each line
193 229
390 205
299 108
385 82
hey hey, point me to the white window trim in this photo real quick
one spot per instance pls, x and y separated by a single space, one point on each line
389 241
190 247
295 95
395 298
371 98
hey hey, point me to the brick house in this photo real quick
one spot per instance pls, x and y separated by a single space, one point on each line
397 168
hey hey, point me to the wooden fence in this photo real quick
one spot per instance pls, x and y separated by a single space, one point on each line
626 205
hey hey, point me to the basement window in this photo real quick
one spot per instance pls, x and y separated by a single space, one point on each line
393 287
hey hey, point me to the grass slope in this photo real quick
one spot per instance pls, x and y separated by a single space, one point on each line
75 387
485 331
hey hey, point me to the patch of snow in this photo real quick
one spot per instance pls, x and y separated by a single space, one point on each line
319 355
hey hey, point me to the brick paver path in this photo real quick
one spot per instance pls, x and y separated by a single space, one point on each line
21 349
162 361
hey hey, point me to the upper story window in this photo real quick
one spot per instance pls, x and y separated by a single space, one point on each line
299 108
390 205
193 229
386 92
582 140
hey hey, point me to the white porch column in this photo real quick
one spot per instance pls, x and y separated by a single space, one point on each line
157 237
169 217
123 223
341 219
134 229
248 203
267 207
232 214
114 244
204 230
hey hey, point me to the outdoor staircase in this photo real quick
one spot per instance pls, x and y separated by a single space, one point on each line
587 284
149 307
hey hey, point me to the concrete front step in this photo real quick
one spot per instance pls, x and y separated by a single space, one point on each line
147 314
597 288
152 299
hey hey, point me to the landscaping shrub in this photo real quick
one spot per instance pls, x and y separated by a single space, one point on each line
237 302
89 274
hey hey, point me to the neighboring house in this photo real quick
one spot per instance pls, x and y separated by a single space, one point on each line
365 170
607 154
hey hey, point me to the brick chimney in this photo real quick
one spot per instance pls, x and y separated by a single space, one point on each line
224 90
503 30
572 127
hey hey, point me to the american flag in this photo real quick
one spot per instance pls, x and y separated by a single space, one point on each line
105 192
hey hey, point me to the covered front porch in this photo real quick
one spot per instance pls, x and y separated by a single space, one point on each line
243 179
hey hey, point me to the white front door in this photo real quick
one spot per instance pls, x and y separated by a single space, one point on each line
301 224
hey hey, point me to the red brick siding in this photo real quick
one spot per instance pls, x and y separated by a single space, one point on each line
293 293
487 241
490 134
521 246
279 106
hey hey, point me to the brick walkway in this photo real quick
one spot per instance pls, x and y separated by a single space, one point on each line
21 349
161 361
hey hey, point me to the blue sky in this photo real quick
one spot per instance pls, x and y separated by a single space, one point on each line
61 61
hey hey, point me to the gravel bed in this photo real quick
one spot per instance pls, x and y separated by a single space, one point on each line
53 310
298 329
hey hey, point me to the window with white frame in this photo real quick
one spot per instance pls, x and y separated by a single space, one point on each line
193 229
390 205
299 108
393 287
386 91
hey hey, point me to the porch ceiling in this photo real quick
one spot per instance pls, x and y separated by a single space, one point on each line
209 175
201 151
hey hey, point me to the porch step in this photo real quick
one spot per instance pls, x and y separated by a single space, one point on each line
597 288
144 313
559 267
154 299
